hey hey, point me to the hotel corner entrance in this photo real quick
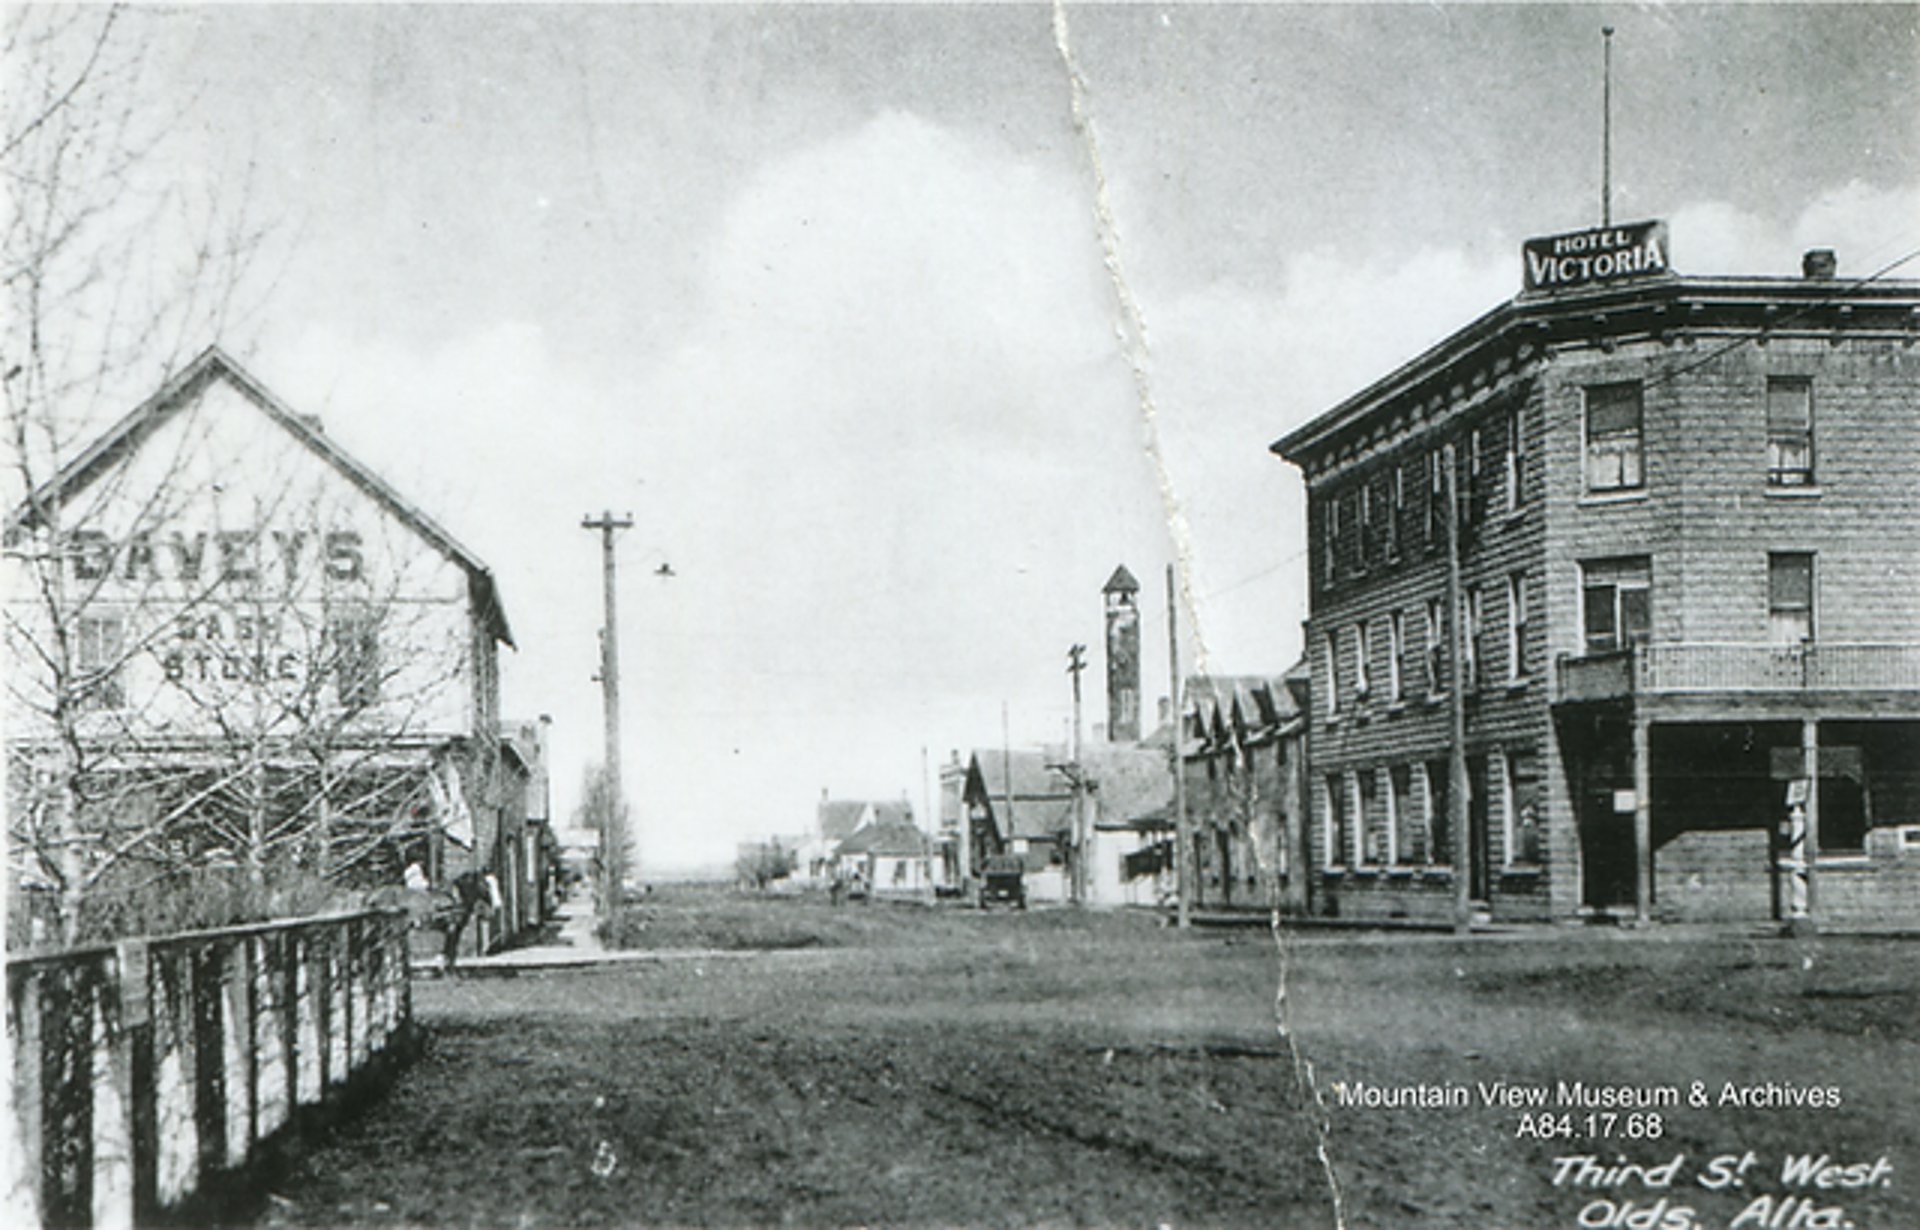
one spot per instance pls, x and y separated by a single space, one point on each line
1598 747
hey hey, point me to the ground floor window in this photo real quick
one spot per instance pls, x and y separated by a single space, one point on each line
1518 787
1409 833
1373 829
1439 813
1335 835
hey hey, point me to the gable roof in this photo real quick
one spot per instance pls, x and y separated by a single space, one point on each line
839 818
1121 582
213 364
887 839
1132 786
1042 800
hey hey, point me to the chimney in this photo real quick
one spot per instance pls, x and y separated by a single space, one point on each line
1819 264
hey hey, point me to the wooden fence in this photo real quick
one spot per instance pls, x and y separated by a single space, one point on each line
146 1071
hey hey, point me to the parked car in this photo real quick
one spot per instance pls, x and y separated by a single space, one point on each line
1003 880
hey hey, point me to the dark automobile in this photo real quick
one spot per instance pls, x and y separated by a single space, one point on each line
1003 880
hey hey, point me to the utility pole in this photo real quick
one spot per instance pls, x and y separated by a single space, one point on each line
1076 662
1006 768
1182 843
613 827
1456 712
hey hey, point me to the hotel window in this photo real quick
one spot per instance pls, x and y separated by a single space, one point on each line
1519 809
1613 438
1476 472
1409 846
1396 508
1330 669
1372 842
1436 649
1350 528
1436 497
1336 831
1332 506
1789 431
1616 600
1357 640
1515 455
1367 531
1396 653
1439 812
1516 627
1471 643
1790 597
102 663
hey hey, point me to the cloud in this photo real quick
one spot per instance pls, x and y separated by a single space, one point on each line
1237 366
1866 226
902 455
892 450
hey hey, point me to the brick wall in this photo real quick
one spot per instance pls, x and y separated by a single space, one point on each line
1714 876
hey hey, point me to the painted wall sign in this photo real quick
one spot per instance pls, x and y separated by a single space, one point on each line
1602 254
238 557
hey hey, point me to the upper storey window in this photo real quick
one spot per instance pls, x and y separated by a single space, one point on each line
1616 595
1789 431
103 654
1790 597
1614 460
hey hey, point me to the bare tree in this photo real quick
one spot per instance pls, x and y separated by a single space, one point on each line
602 811
760 863
192 680
292 688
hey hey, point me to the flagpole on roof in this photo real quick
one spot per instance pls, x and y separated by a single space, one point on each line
1606 126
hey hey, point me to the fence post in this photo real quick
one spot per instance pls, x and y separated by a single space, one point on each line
340 1012
176 1126
308 993
270 1090
111 1072
26 1144
236 1048
144 1071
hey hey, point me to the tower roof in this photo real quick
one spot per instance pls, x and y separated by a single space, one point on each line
1121 582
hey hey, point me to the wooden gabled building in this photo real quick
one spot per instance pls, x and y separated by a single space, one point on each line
230 641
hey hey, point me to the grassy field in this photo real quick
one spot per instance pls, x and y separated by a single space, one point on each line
894 1065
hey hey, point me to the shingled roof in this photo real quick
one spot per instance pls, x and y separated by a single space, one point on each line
1042 799
1132 786
888 840
840 817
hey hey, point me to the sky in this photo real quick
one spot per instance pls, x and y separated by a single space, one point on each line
894 347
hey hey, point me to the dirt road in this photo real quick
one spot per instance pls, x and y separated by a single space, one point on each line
1056 1070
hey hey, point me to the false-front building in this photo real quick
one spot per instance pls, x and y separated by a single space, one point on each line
1686 525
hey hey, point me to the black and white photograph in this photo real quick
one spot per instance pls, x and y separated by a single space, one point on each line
1062 614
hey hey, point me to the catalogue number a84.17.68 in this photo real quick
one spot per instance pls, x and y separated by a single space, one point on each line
1593 1125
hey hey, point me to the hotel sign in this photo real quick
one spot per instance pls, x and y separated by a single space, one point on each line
1592 257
